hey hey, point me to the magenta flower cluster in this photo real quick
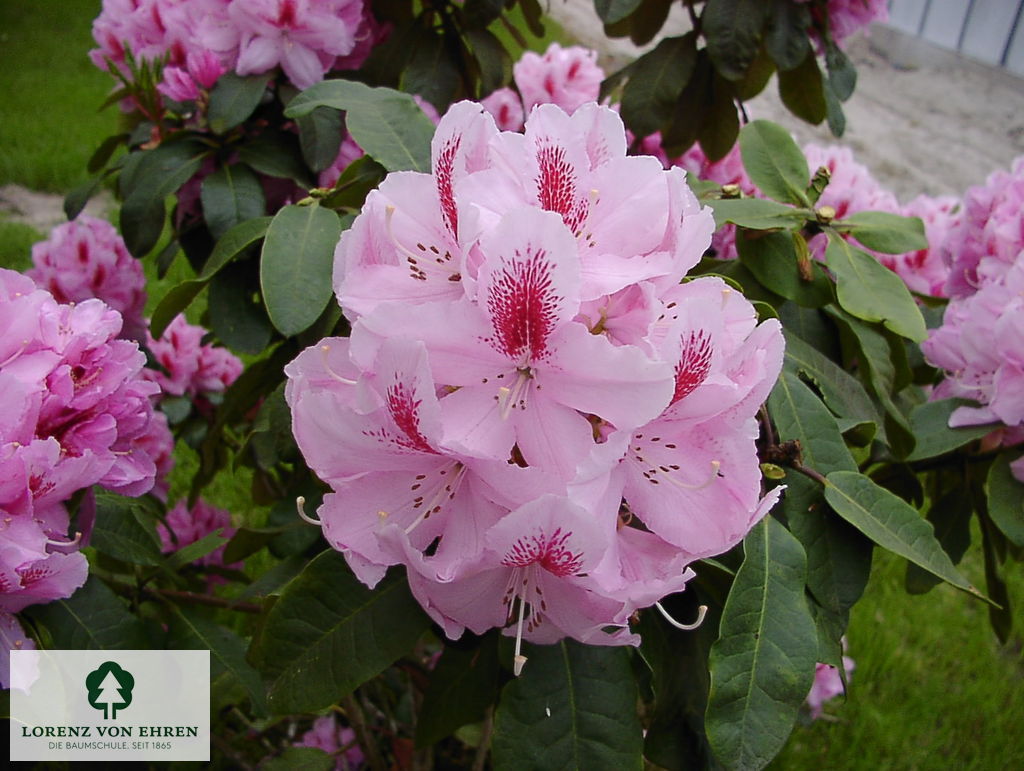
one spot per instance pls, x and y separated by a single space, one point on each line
76 412
191 367
528 380
199 40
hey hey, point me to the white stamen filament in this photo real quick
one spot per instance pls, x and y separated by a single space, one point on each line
443 490
715 465
701 612
16 354
519 660
389 214
72 542
325 349
300 504
509 397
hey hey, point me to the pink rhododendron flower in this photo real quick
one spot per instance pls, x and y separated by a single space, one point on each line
925 271
527 380
506 106
75 413
302 37
847 16
989 235
12 638
87 258
186 526
566 77
828 684
327 735
192 367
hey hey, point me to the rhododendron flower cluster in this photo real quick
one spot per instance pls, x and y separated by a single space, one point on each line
191 368
86 258
199 40
185 526
847 16
75 413
533 414
566 77
327 735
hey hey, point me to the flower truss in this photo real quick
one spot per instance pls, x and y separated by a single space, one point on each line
536 413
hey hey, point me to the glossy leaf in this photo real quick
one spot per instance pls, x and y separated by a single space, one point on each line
786 34
320 133
870 291
658 78
493 59
176 300
842 392
756 213
276 154
774 162
647 20
772 258
327 634
802 90
1006 499
93 618
950 516
721 125
842 75
296 264
125 529
236 316
892 524
431 72
885 232
930 424
387 124
733 30
799 414
573 707
612 11
231 195
233 99
762 665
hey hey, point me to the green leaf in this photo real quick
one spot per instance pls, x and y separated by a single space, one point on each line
930 424
236 315
721 125
233 99
870 291
93 618
733 31
757 213
249 540
842 392
478 14
158 173
762 665
387 124
320 133
834 111
885 232
647 20
950 516
612 11
196 550
296 265
1000 613
177 299
431 72
328 634
300 759
233 243
802 90
106 149
774 162
463 684
799 414
772 258
786 35
1006 499
842 75
892 524
189 630
231 195
76 200
125 529
658 78
493 59
277 154
573 707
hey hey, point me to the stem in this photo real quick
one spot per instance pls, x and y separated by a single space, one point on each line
485 741
354 713
809 472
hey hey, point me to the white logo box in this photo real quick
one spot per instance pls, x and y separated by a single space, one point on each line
110 705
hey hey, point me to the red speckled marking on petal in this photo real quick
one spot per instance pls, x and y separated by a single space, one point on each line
443 173
404 411
556 186
552 554
523 305
694 364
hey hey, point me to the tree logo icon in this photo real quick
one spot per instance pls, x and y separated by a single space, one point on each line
110 688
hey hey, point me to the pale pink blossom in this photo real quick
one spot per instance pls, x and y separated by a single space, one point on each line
12 638
925 271
328 735
507 108
566 77
192 367
828 684
87 258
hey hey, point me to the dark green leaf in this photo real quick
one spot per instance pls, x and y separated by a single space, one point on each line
355 183
647 20
774 162
786 35
176 300
842 75
191 631
387 124
320 133
533 13
1006 499
842 392
870 291
233 99
799 414
657 79
104 151
125 529
76 200
277 154
612 11
802 90
271 439
772 258
300 759
296 265
762 665
892 524
234 243
249 540
208 544
834 112
573 707
688 116
950 516
757 213
757 77
462 685
93 618
721 125
478 14
999 612
494 61
231 195
885 232
930 424
328 634
236 316
431 71
733 30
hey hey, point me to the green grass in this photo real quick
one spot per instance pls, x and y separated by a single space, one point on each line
16 242
50 93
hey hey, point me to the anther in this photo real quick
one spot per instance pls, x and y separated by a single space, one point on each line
300 504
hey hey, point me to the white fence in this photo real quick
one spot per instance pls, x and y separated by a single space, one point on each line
991 31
